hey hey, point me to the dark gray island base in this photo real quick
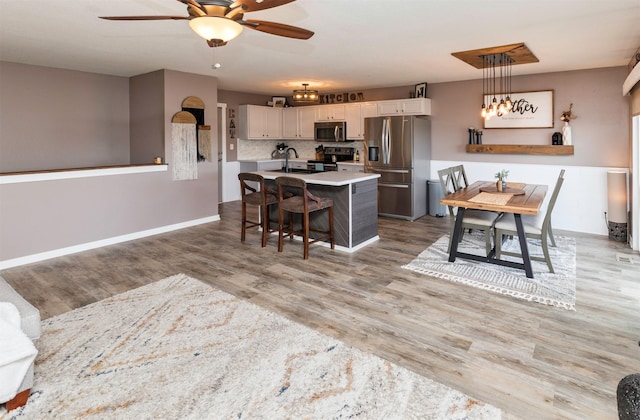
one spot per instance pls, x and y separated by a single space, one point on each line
355 201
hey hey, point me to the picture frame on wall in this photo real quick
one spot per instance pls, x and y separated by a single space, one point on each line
278 101
530 110
420 90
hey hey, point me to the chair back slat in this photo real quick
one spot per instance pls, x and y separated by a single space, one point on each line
459 177
447 184
552 200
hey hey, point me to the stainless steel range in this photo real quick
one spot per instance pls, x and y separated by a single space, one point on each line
332 155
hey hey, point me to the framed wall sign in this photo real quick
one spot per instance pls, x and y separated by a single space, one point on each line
530 110
420 90
278 101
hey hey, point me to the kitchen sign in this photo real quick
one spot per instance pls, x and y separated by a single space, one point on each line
530 110
339 98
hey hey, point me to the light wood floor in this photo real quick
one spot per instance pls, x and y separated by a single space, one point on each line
532 360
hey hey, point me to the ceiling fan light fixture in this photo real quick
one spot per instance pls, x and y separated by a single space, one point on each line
215 27
305 95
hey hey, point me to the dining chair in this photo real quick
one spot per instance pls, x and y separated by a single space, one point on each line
460 181
302 202
264 197
459 177
536 227
473 219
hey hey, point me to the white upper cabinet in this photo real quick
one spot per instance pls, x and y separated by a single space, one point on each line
355 113
297 123
268 123
414 106
330 112
260 122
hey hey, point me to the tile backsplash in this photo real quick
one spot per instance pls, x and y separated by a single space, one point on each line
262 149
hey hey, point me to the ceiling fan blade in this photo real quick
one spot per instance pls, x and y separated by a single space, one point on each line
254 5
144 17
274 28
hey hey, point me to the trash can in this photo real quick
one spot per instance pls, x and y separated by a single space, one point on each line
434 194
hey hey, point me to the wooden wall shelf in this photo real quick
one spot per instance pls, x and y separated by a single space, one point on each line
520 149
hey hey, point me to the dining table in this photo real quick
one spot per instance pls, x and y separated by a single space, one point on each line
515 198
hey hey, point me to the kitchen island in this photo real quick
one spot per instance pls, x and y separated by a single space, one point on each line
355 201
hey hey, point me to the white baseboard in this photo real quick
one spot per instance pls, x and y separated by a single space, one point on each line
15 262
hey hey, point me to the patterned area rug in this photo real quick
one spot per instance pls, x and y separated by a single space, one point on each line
178 348
558 289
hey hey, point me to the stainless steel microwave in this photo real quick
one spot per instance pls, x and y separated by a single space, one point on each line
331 131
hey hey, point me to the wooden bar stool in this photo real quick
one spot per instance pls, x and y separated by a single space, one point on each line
262 198
304 203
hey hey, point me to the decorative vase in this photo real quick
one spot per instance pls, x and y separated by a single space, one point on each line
499 185
566 134
478 137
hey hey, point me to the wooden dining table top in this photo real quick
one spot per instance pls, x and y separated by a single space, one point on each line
527 203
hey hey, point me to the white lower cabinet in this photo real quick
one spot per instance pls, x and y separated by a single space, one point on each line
351 167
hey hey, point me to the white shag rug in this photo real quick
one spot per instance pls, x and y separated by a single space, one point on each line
179 349
557 289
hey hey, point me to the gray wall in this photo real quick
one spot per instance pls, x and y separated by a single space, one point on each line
600 133
39 217
53 118
146 99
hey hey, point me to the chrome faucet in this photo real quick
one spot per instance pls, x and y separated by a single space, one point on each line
286 158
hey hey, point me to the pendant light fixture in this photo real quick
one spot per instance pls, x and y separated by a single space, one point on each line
496 84
305 95
496 63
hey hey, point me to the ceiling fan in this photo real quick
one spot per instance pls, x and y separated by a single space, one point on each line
219 21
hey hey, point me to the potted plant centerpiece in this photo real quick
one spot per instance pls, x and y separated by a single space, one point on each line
501 184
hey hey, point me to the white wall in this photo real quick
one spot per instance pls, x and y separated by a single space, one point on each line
231 185
582 200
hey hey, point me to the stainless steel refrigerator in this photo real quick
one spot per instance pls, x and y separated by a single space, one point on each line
399 149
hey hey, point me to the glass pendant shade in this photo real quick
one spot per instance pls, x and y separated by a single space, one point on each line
214 27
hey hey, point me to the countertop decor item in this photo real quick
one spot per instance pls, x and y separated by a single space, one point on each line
280 151
501 176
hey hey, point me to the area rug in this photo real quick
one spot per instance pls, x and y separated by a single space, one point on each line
557 289
179 349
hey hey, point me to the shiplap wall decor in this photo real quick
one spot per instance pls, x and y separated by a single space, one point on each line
204 142
195 106
184 146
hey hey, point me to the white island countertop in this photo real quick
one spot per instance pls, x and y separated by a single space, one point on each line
331 178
